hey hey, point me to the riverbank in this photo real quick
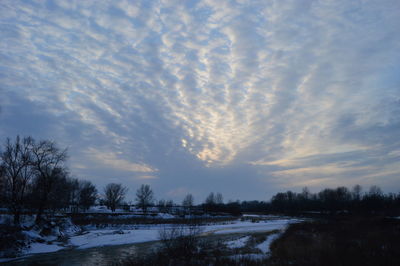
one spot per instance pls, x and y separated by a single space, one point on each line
134 234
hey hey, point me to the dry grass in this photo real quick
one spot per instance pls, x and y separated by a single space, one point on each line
339 241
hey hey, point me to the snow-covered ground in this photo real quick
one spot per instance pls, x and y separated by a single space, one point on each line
43 248
245 226
104 237
264 246
98 238
237 243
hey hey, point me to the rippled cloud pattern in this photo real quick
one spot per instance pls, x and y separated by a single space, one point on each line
242 97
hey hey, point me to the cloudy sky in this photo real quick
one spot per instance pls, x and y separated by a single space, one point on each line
246 98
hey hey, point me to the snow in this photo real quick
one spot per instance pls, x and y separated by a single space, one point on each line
104 209
111 237
44 248
39 243
264 246
238 243
270 216
165 216
251 256
104 237
32 234
243 227
6 219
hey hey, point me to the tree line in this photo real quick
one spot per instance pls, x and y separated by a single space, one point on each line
34 177
340 199
328 200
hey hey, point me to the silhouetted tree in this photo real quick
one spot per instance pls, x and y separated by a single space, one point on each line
74 190
87 194
60 195
188 201
48 163
285 201
375 191
144 197
334 200
2 187
374 200
219 199
169 204
114 194
305 193
161 206
210 200
234 208
16 172
356 192
209 203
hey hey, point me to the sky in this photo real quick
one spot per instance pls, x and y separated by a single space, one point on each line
246 98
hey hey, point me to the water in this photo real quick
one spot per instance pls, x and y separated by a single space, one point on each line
107 255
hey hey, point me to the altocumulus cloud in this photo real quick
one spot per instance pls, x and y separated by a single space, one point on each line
191 96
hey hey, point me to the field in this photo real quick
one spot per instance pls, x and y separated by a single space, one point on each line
344 240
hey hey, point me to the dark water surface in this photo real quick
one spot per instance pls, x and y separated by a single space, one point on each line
107 255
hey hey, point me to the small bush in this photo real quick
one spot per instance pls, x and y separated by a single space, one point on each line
180 241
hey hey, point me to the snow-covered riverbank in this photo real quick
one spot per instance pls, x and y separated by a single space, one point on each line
146 233
96 238
105 237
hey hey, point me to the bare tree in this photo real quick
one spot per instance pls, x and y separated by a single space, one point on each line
60 194
144 197
375 191
16 165
356 192
48 163
168 205
74 191
219 199
114 195
306 193
161 206
188 201
2 187
210 200
87 194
